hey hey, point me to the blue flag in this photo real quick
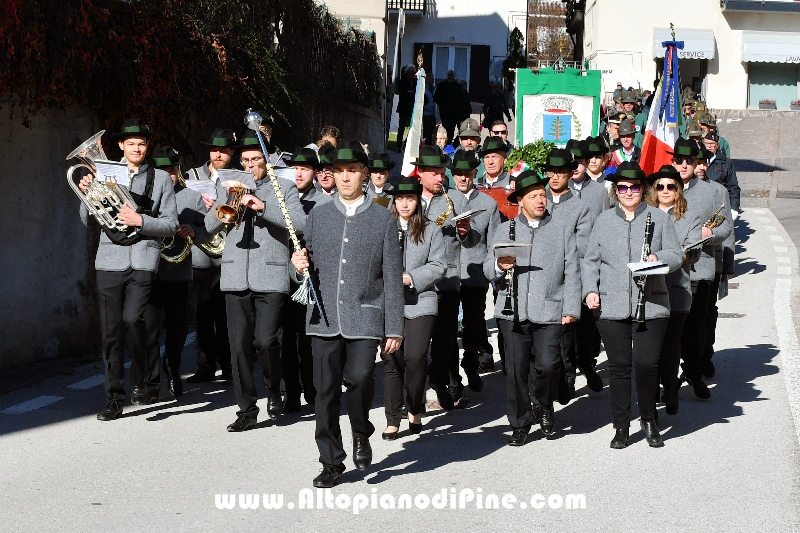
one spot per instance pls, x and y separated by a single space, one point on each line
669 110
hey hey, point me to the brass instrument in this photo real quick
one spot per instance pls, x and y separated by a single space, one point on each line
103 199
172 251
231 211
716 219
441 219
641 281
215 247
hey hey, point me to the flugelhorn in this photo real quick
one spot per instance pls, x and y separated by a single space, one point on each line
231 211
103 199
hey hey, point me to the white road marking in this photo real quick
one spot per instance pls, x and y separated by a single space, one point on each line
758 211
784 271
776 238
790 353
781 249
31 405
764 219
770 228
88 383
782 259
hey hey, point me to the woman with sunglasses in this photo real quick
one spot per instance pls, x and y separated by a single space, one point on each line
610 290
666 193
424 264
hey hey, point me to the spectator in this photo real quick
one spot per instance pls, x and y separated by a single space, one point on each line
449 99
618 90
466 103
406 90
329 134
495 106
428 112
500 129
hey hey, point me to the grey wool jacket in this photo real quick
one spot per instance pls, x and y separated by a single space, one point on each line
256 253
357 271
593 192
199 258
503 180
689 230
426 263
703 200
192 211
145 254
452 240
372 193
485 224
575 214
547 284
724 253
614 243
309 200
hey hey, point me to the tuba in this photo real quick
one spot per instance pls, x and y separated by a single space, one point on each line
103 199
175 250
215 247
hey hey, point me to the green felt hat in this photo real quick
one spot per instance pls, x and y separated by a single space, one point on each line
249 141
596 146
493 145
349 152
464 160
382 162
666 171
559 157
221 138
406 185
628 170
132 127
685 147
304 156
431 156
526 179
165 157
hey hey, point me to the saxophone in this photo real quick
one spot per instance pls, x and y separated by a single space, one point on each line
441 219
716 219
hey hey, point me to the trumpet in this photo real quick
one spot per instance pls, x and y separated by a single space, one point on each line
104 200
231 211
716 219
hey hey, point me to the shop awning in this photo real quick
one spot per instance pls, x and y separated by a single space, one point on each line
770 47
697 44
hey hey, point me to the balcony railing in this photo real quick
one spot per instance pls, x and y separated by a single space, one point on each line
408 5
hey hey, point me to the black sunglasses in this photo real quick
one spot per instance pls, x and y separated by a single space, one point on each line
669 186
500 132
680 160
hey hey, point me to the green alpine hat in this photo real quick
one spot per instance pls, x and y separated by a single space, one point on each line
579 150
165 157
349 152
627 170
526 179
304 156
666 171
431 156
132 127
628 98
382 162
326 154
596 146
464 160
493 145
685 147
704 154
249 141
626 127
559 157
406 185
221 138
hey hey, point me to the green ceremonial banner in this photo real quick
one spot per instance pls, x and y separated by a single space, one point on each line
557 107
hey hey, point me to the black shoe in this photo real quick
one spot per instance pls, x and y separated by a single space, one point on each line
621 439
144 396
444 397
201 376
536 414
593 381
112 411
292 406
548 422
227 375
414 428
474 382
243 423
174 383
328 478
700 388
651 434
403 411
389 435
708 370
456 392
486 367
518 437
671 400
362 452
310 398
274 407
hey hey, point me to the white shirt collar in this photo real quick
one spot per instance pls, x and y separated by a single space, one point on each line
556 199
403 224
533 223
578 185
378 189
350 209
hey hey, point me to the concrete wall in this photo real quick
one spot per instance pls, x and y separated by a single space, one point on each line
372 14
624 46
47 294
354 122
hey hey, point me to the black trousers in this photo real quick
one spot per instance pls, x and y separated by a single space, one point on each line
693 339
537 345
405 370
351 360
173 299
213 345
428 126
451 125
444 357
474 340
254 328
404 122
669 362
632 345
587 339
297 362
504 338
122 300
711 319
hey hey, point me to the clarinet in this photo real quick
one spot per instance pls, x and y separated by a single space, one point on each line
508 308
641 281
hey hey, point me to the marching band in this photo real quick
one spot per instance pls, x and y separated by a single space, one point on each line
592 250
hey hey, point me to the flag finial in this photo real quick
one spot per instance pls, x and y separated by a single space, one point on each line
672 30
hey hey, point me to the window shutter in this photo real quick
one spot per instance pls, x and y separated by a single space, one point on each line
480 61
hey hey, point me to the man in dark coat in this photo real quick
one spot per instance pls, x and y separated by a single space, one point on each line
448 98
406 90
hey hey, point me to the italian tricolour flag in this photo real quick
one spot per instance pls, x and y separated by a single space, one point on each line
659 137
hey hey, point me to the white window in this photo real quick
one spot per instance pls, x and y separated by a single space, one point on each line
451 57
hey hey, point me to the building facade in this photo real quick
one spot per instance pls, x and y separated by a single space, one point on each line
736 53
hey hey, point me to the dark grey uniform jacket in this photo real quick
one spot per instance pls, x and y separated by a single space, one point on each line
689 229
593 192
145 254
614 243
703 199
724 253
192 211
199 258
256 253
357 270
372 193
575 214
311 199
452 240
547 280
485 224
503 180
426 263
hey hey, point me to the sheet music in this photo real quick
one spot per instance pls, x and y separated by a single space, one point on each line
510 249
236 178
647 268
207 187
113 170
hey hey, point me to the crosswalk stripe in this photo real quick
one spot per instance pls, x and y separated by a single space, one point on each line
31 405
